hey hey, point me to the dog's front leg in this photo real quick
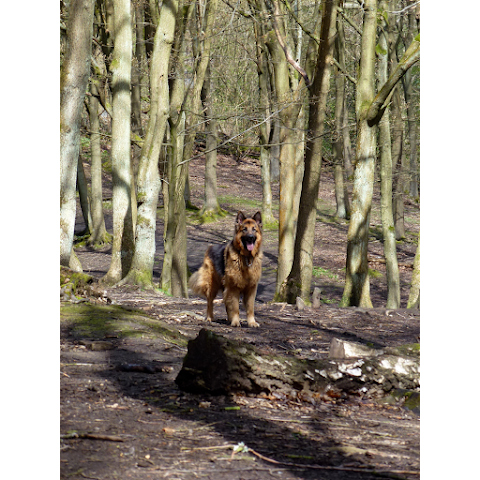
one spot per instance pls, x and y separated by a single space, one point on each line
249 299
231 299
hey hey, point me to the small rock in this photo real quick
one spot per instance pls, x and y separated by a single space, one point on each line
344 349
316 302
300 304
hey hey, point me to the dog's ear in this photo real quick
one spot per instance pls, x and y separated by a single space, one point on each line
258 218
240 217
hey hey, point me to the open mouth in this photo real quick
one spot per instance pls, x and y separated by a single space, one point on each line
249 242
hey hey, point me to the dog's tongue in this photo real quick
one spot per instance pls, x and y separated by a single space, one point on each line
250 246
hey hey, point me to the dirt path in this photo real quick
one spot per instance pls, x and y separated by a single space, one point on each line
166 433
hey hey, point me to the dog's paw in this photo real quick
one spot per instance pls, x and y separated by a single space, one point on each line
252 323
235 323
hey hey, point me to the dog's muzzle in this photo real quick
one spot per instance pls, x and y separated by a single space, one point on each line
249 242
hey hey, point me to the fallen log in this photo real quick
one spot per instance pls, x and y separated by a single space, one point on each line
218 366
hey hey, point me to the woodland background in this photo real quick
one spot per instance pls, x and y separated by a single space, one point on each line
290 84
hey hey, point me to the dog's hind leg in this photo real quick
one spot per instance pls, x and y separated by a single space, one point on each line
210 309
211 291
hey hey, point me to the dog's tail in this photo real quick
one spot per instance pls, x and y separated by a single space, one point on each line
196 284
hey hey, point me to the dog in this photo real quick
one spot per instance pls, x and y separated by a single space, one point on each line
235 268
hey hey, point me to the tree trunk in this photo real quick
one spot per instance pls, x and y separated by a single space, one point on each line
412 121
265 150
398 158
211 208
148 185
98 234
340 160
357 284
369 112
289 108
217 365
388 227
73 85
193 100
123 214
174 272
174 269
300 278
83 194
414 297
174 280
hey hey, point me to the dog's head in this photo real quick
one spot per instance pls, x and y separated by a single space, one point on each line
248 234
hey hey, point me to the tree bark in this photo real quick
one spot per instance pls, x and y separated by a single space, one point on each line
388 227
148 184
174 272
83 194
123 213
300 278
217 365
73 85
369 111
98 234
414 297
211 208
411 56
357 284
289 102
341 190
411 108
174 269
265 150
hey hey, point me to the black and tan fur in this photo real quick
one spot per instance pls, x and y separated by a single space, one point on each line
235 268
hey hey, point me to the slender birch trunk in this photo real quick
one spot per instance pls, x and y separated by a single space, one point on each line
148 184
73 85
123 210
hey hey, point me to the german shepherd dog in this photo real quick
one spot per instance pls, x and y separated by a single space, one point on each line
235 268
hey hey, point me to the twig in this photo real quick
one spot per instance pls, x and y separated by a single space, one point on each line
302 26
383 261
330 467
349 21
237 135
404 9
92 436
215 447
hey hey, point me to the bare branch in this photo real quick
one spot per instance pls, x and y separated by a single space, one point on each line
289 58
302 26
403 9
410 57
349 21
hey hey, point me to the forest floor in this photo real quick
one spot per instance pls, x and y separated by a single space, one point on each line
139 425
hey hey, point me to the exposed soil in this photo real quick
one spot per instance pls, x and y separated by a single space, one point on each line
166 433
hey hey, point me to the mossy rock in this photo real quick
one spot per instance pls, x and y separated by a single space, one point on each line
78 280
88 321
